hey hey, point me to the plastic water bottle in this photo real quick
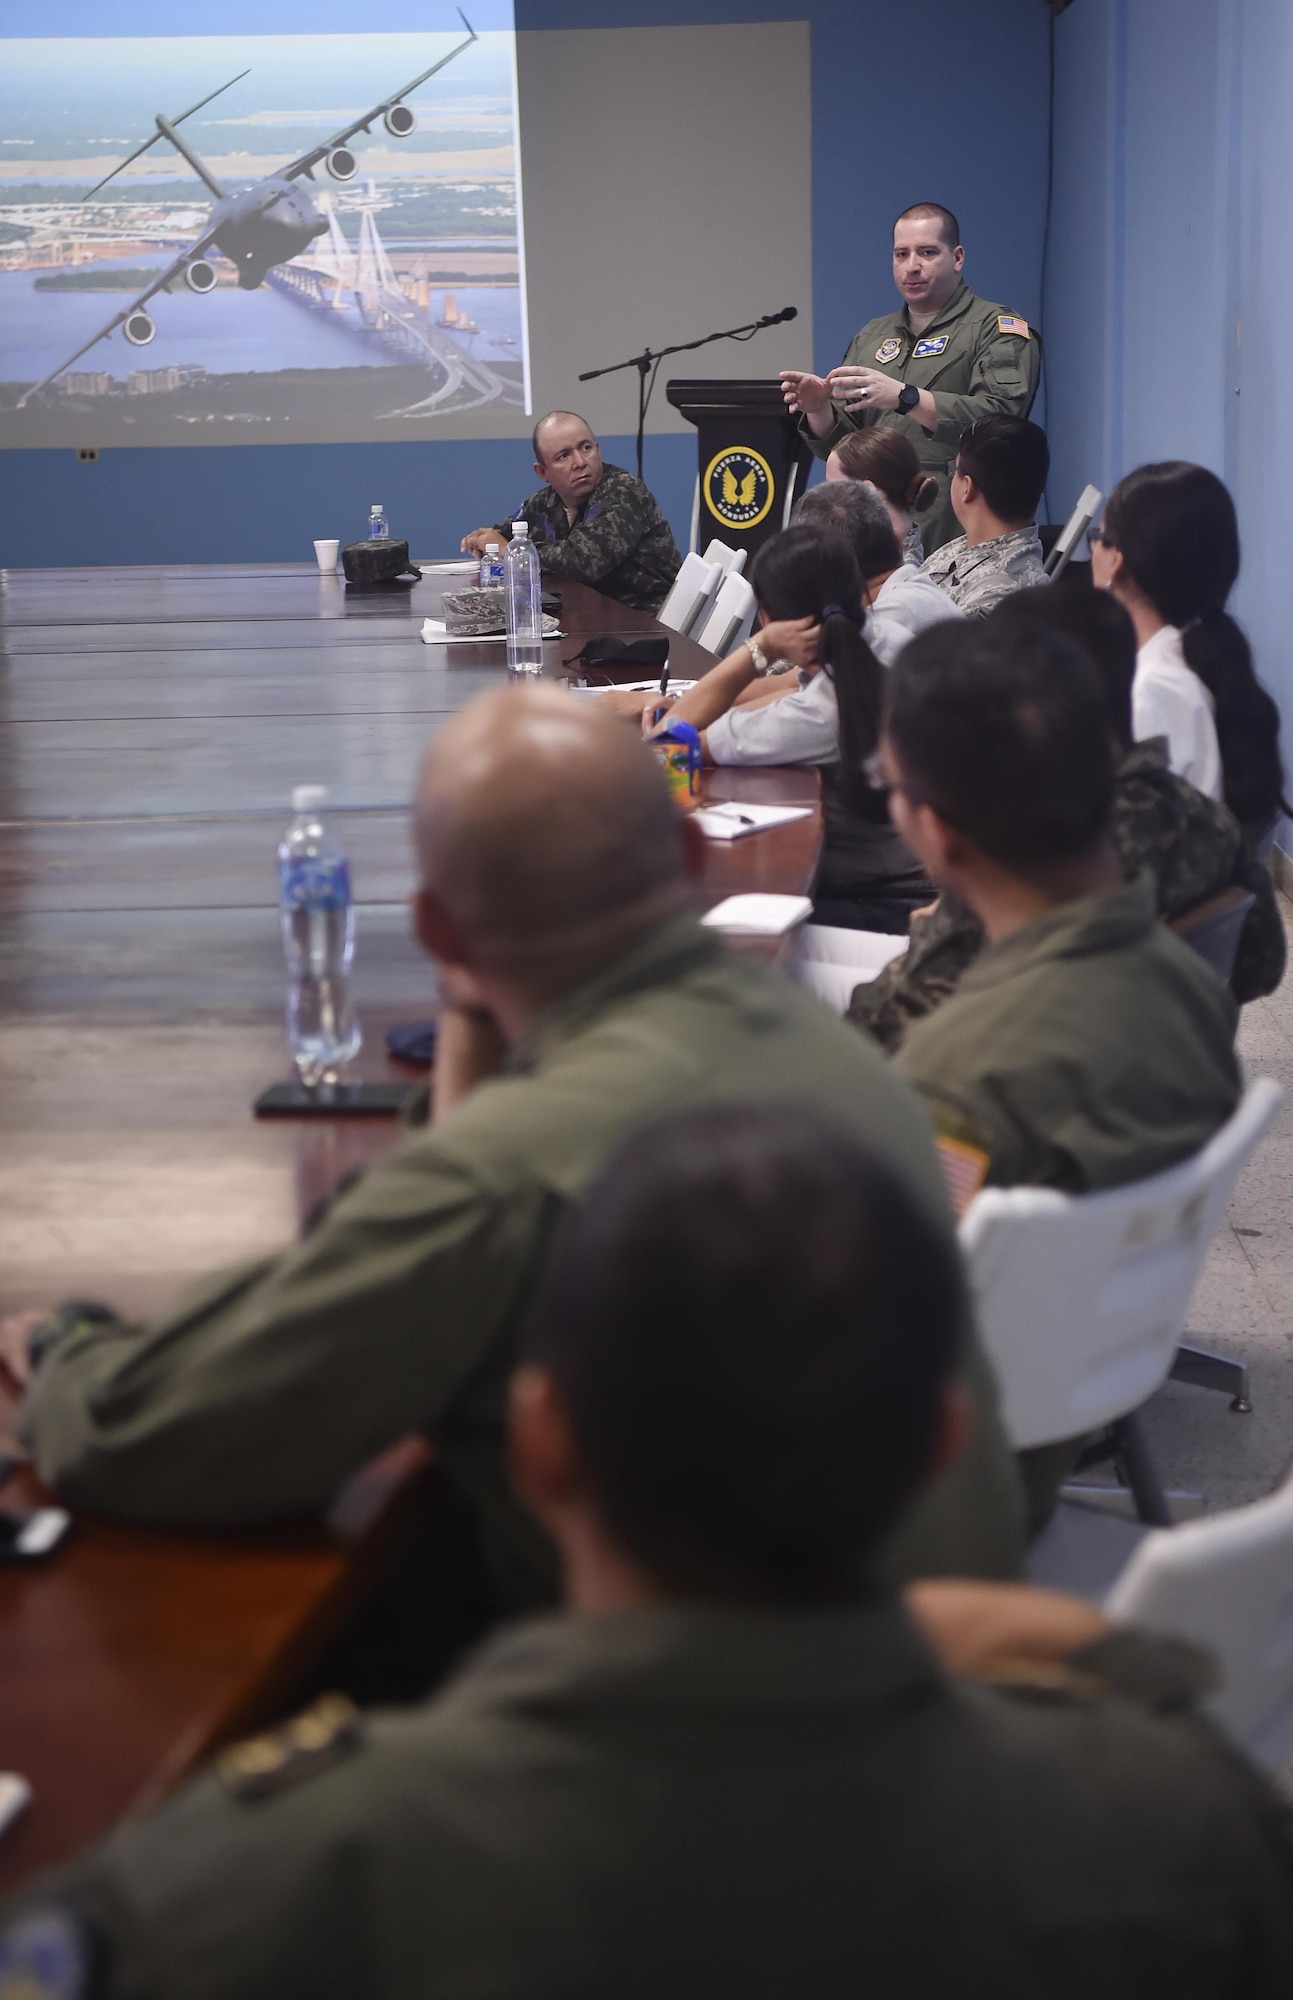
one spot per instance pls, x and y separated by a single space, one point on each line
378 526
524 611
318 940
491 566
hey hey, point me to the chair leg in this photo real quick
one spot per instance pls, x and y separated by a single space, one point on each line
1137 1467
1205 1370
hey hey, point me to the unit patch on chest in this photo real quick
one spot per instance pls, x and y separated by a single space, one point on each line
889 350
934 346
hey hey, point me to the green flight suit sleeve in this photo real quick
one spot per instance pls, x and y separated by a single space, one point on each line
266 1387
1003 382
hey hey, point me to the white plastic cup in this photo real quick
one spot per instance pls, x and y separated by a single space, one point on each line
326 556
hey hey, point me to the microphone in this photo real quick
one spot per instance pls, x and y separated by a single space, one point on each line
775 319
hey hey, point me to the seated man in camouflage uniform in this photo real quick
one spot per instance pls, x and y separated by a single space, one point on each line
734 1766
1188 844
997 485
593 522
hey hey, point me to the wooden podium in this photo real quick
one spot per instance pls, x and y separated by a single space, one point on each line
752 461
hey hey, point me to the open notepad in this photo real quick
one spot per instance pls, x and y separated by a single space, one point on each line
734 818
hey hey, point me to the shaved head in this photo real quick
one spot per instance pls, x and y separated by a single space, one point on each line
546 832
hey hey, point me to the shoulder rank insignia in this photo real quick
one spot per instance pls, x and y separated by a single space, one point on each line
310 1744
1007 323
889 349
964 1170
934 346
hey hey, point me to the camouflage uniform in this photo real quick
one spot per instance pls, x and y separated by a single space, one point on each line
619 540
978 578
976 360
1162 826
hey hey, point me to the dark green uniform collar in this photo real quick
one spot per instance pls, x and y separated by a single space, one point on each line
678 946
687 1657
1083 928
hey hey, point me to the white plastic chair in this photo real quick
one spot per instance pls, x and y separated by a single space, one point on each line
1082 1299
1227 1584
730 561
732 619
694 589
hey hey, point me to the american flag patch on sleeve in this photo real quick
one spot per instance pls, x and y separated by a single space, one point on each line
1007 323
964 1171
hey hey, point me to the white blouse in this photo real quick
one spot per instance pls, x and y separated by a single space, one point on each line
1168 699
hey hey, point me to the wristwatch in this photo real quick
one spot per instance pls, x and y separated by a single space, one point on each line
908 397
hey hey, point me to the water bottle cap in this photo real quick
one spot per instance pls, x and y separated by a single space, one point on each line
376 507
491 548
308 798
520 531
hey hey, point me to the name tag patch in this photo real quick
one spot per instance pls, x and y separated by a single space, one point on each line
1007 323
889 350
934 346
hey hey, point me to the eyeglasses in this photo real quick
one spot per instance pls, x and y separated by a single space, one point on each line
952 468
1096 538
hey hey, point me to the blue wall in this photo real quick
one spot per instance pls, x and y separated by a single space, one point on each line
962 122
1170 300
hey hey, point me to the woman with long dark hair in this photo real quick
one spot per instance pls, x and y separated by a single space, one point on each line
810 595
1169 551
886 459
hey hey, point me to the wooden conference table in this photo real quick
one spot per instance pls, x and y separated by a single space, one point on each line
152 725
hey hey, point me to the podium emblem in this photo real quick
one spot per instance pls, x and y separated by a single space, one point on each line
739 486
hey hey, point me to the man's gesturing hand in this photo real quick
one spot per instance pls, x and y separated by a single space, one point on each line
864 388
807 394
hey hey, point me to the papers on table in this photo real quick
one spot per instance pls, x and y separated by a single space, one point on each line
636 687
464 568
759 916
434 633
734 818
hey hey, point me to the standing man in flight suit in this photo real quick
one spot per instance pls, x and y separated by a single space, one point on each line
943 361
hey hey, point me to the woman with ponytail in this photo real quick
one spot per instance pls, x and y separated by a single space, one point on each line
810 595
1169 551
886 459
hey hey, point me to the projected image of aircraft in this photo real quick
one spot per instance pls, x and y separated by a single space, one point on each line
263 225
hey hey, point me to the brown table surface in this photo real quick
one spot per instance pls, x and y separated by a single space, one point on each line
152 725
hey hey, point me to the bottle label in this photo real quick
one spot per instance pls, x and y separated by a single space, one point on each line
315 885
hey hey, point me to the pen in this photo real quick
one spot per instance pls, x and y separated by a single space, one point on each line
664 678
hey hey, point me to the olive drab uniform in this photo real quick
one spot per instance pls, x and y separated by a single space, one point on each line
976 359
619 541
1190 844
1087 1049
264 1388
700 1802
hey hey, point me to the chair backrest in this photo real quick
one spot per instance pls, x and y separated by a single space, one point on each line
1082 1299
694 589
730 561
1213 928
731 621
1227 1583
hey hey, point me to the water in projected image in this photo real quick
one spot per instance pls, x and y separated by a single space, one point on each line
408 307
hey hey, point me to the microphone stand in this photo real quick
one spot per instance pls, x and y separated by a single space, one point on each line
647 362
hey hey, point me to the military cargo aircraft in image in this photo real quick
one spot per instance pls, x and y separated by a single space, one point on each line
258 227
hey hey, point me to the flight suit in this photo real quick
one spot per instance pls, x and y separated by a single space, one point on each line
696 1802
975 358
619 541
265 1387
1190 844
1085 1050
